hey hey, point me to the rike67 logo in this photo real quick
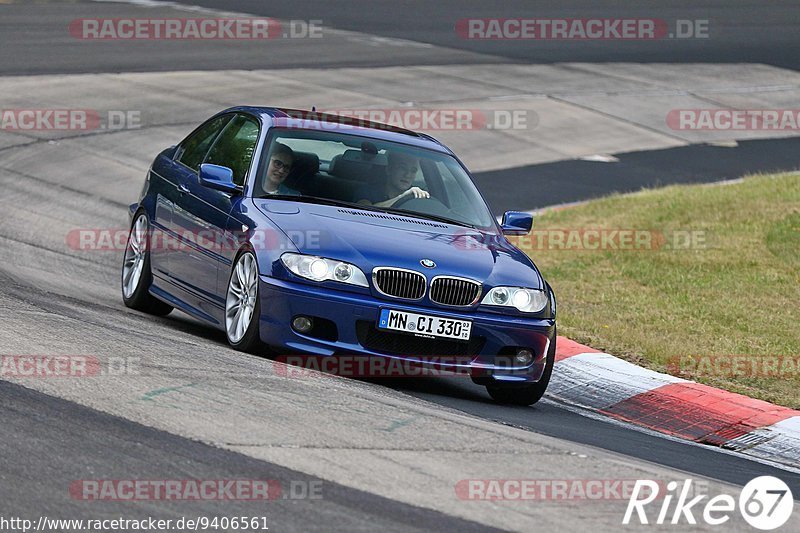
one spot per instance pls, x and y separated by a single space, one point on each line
765 503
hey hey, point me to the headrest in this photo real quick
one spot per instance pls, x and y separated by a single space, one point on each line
365 157
304 166
356 170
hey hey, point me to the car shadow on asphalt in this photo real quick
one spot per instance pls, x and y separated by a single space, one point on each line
455 387
429 387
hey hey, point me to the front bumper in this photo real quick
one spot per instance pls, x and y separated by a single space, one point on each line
485 358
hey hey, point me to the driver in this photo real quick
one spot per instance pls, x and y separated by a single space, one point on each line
401 171
280 163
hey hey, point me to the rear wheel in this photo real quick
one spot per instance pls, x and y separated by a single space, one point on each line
525 394
136 274
242 306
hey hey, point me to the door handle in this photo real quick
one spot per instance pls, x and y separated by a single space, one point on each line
183 189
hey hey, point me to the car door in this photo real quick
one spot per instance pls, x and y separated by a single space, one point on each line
178 173
182 173
201 213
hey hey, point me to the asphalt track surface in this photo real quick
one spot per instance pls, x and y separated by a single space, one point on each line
739 32
575 180
553 419
761 32
81 443
55 297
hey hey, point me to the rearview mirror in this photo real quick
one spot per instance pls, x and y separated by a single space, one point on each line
516 223
218 178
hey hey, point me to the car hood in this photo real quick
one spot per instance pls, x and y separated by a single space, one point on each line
370 239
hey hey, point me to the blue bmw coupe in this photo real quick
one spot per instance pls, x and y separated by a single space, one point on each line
303 233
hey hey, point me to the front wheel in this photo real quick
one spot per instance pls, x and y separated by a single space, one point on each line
242 306
136 274
525 394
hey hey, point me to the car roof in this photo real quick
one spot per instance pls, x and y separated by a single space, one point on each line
322 121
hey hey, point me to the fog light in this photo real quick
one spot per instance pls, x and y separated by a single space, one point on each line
303 324
523 357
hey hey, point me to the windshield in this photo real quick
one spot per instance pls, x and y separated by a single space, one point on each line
370 173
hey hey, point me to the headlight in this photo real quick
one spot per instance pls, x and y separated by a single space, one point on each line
322 269
526 300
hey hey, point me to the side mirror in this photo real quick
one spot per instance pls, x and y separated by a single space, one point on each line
516 223
218 178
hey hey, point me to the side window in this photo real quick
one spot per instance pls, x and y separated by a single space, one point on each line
195 147
235 146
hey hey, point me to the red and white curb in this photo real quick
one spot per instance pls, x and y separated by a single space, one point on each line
600 382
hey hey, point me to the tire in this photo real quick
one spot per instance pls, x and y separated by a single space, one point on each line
136 275
525 394
242 305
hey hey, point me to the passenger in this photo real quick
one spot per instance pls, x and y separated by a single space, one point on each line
280 163
401 171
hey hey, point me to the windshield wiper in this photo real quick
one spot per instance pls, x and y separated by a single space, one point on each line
437 218
309 199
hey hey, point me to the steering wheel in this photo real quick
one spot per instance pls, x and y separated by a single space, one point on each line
431 206
405 199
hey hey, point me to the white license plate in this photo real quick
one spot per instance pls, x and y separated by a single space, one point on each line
425 325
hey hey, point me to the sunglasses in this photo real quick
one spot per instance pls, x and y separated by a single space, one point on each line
280 165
